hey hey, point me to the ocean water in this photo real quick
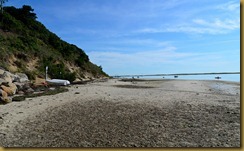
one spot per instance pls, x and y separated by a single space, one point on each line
224 77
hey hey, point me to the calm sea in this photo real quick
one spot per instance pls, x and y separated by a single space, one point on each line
225 77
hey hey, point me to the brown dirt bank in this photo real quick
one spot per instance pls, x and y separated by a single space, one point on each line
178 114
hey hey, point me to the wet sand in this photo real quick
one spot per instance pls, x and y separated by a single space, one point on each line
167 113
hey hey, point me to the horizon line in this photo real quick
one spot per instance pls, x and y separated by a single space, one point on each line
175 74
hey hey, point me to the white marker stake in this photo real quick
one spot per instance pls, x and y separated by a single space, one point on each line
46 71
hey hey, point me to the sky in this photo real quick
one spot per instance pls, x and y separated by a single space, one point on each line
147 36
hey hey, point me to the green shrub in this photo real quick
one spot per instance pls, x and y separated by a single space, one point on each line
30 75
70 76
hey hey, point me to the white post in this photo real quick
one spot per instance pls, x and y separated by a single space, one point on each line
46 71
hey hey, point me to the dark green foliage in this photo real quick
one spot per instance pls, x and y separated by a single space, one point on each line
27 13
18 98
19 63
57 71
24 14
80 61
70 76
30 75
54 41
95 70
100 67
9 23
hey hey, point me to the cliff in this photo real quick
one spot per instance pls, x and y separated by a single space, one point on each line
27 46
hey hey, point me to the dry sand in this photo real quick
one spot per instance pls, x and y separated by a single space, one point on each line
166 113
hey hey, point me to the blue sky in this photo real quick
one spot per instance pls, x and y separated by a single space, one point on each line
147 36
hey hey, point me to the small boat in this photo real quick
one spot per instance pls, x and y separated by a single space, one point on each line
218 77
58 82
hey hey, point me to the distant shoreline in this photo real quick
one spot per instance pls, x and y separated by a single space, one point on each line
168 79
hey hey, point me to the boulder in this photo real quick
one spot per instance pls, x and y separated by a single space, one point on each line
6 76
21 92
14 78
30 90
21 77
1 71
11 89
26 87
4 97
6 100
20 86
3 93
2 81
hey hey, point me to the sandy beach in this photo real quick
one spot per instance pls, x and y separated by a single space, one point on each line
165 113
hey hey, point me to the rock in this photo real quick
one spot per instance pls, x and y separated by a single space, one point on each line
11 89
26 86
3 93
19 85
4 97
2 81
22 86
9 77
20 92
14 78
6 76
21 77
6 100
30 90
1 71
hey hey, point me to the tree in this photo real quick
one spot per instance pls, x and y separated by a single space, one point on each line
1 4
28 12
100 67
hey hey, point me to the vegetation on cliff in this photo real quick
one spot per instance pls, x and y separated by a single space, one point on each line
26 45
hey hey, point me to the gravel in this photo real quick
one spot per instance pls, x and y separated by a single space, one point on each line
171 113
103 123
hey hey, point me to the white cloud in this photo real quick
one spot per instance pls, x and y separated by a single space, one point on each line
226 24
139 58
199 26
168 55
230 6
138 42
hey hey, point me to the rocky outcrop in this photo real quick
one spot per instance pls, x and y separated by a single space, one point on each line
10 84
